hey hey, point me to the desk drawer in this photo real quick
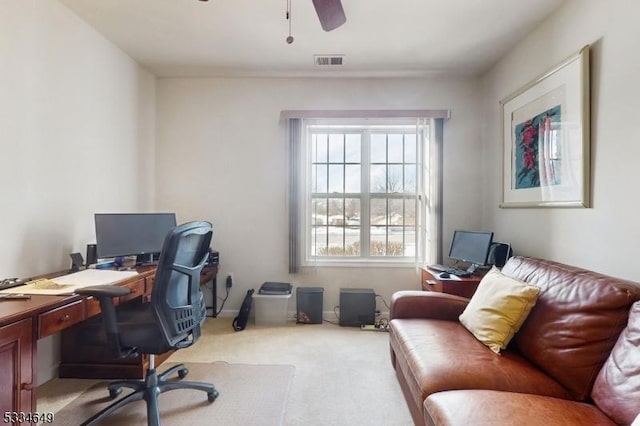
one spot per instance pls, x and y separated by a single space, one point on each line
432 285
137 290
92 306
58 319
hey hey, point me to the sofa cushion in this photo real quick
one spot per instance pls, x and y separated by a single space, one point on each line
437 355
488 408
617 387
498 308
575 322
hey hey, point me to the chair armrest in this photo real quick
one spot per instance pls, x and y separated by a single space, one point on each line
99 291
426 304
105 295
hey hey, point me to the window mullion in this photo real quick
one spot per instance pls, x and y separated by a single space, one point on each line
344 192
386 195
404 226
403 188
328 185
365 198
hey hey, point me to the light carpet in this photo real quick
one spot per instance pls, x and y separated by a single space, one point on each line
249 395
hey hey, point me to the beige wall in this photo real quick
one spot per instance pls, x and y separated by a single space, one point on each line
76 137
222 157
77 120
605 237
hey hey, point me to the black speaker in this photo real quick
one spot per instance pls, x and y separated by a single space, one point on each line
499 253
92 254
309 305
357 307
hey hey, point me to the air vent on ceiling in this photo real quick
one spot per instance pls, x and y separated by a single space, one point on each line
322 60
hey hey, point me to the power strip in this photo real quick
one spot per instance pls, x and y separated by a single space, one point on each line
370 327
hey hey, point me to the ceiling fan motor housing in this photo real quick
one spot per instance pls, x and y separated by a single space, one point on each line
330 13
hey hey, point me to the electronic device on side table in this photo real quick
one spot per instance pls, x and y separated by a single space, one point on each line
467 246
499 253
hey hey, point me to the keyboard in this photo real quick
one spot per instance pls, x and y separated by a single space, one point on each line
462 273
438 267
11 282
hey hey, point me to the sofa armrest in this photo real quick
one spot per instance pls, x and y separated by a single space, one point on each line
426 304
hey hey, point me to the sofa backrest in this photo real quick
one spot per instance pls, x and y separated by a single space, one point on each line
616 390
576 321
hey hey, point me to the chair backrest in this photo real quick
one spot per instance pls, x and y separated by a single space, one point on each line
176 296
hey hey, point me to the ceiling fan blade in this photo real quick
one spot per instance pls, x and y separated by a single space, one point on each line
330 13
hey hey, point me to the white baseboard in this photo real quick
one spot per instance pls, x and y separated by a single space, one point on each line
291 315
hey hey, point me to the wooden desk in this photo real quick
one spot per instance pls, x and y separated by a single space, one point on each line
23 322
464 287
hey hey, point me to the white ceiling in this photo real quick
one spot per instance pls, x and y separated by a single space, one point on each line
247 37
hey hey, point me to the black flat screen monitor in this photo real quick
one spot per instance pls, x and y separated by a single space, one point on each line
471 246
127 234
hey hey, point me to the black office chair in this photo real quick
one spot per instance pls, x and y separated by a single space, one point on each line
171 321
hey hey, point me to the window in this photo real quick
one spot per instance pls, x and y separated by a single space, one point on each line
364 186
363 192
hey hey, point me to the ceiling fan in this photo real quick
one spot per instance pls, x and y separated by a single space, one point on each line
330 13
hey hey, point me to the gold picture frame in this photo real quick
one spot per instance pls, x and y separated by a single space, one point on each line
546 140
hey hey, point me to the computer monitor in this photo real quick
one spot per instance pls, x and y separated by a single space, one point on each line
471 246
127 234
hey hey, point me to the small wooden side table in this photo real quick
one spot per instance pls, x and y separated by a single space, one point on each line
464 287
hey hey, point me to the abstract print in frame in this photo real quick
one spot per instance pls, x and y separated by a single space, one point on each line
546 139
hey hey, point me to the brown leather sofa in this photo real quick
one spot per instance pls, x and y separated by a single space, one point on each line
552 371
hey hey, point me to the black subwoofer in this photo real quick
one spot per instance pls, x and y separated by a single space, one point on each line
357 307
309 305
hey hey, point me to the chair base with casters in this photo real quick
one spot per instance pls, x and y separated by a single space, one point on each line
149 389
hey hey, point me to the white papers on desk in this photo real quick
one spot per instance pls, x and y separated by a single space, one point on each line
90 277
67 284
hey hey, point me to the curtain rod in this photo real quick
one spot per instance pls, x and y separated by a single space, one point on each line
367 113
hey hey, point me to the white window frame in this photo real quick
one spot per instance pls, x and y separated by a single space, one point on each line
305 164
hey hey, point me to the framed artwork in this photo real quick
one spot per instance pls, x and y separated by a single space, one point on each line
546 143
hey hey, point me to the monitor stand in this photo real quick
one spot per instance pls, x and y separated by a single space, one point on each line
147 259
473 268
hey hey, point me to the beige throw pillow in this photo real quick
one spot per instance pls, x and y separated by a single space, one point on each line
498 308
